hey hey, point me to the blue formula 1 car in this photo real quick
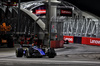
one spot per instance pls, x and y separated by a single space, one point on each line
35 52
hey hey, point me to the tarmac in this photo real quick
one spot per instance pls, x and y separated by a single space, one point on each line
79 51
69 51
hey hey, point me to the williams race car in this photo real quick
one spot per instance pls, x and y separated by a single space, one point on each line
34 51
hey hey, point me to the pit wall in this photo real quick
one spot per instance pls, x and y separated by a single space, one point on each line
83 40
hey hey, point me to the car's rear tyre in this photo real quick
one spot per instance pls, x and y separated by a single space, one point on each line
19 52
51 53
66 42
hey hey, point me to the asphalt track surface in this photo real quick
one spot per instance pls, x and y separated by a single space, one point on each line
70 55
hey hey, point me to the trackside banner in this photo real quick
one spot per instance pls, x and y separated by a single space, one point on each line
91 41
69 38
40 11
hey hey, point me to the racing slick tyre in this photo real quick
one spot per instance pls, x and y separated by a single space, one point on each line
51 53
28 53
19 52
66 42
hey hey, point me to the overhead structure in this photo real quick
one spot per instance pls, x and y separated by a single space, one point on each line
74 23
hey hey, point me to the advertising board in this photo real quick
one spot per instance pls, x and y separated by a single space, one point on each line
66 12
91 41
69 38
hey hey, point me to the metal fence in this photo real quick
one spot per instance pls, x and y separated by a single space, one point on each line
57 29
86 27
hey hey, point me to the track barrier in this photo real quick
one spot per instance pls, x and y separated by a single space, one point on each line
57 44
83 40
